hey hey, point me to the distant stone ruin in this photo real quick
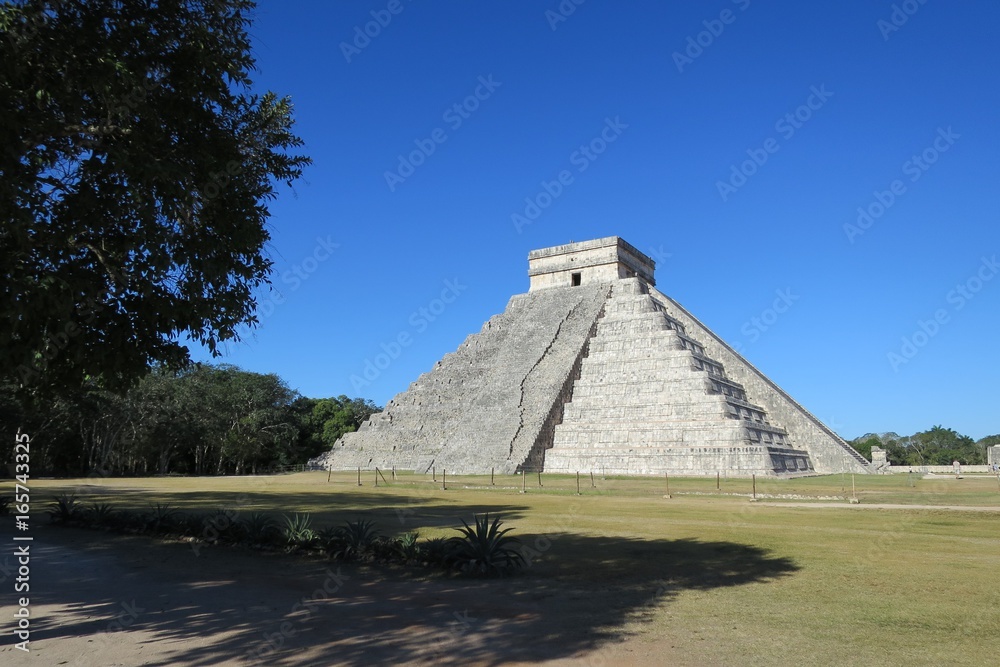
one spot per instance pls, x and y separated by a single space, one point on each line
593 369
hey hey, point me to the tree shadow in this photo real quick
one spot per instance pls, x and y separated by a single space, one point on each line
393 511
577 595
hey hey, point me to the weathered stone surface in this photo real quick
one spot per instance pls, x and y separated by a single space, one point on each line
649 400
595 370
484 405
828 452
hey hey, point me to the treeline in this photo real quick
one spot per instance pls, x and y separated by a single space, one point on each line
937 447
206 420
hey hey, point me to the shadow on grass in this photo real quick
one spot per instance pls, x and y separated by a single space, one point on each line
393 512
576 596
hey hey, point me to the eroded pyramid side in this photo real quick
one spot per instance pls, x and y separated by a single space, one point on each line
486 404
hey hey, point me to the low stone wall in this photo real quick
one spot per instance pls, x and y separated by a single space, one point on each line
937 470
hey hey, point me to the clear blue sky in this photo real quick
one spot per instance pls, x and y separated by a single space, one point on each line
880 95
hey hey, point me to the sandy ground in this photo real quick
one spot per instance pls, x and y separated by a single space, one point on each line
99 599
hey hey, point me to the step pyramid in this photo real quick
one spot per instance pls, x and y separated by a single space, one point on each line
594 370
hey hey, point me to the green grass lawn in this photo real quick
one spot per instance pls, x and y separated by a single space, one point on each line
712 576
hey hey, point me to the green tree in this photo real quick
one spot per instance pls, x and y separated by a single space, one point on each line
864 444
135 176
324 420
941 446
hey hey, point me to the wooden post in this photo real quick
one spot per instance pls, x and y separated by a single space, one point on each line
592 485
434 474
524 476
539 477
577 482
717 487
376 476
359 475
444 479
754 486
491 477
328 473
666 476
394 473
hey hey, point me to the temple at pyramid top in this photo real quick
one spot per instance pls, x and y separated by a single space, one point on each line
588 262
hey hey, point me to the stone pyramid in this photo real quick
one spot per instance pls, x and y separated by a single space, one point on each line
594 370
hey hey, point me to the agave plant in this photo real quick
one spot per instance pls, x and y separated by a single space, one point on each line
331 539
161 517
485 549
355 539
224 525
436 551
192 524
260 528
64 508
100 515
407 547
298 531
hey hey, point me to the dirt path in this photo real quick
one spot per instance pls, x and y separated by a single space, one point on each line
105 600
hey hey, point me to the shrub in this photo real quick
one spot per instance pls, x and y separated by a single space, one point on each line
331 540
436 552
384 549
355 539
101 515
485 549
407 547
161 518
298 532
223 526
260 528
64 509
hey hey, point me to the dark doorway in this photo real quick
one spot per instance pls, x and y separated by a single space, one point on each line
576 280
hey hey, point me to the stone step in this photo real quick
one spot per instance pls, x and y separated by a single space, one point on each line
636 413
744 461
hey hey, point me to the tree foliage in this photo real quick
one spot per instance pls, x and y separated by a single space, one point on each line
202 420
330 418
135 176
936 446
